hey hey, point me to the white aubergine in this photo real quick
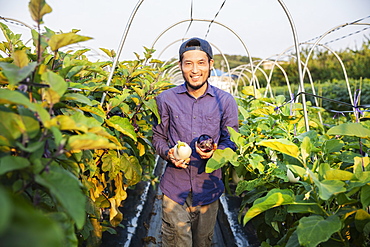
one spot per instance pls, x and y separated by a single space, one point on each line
182 150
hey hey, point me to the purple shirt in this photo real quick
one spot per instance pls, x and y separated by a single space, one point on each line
185 118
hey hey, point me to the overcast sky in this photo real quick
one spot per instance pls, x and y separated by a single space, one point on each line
260 26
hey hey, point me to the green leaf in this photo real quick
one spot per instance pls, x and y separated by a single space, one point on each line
6 209
14 97
132 169
361 219
110 53
350 129
236 137
78 121
251 91
139 72
332 145
152 106
31 147
41 112
256 162
243 112
30 123
122 125
248 185
314 229
17 98
220 158
363 162
12 163
11 126
306 147
14 74
365 196
74 70
64 122
293 240
323 168
77 97
280 99
28 226
65 188
348 156
104 88
310 134
118 99
38 8
140 92
51 96
58 136
304 207
274 198
334 174
360 164
56 82
60 40
20 58
6 32
344 199
89 141
327 188
96 110
111 163
366 229
68 227
281 145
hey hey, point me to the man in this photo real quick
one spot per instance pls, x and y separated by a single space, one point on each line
190 201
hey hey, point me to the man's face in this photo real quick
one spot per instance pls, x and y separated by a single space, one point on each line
195 67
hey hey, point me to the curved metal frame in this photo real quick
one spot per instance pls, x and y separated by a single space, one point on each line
204 20
339 59
120 47
301 72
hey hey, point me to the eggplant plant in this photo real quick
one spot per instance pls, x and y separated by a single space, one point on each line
67 156
299 188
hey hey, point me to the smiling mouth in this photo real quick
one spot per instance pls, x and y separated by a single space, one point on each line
195 78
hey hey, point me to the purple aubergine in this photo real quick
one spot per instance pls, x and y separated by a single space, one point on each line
205 143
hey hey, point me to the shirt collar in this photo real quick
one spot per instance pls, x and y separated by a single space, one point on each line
210 90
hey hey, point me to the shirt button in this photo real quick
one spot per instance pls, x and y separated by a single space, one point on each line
194 133
194 117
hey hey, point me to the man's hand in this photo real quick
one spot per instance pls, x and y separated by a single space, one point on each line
205 155
178 163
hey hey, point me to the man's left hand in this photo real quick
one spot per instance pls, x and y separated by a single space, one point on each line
205 155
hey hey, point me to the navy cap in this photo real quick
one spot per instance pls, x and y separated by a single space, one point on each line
196 44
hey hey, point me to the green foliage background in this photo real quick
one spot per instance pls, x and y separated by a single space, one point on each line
335 90
71 145
299 188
